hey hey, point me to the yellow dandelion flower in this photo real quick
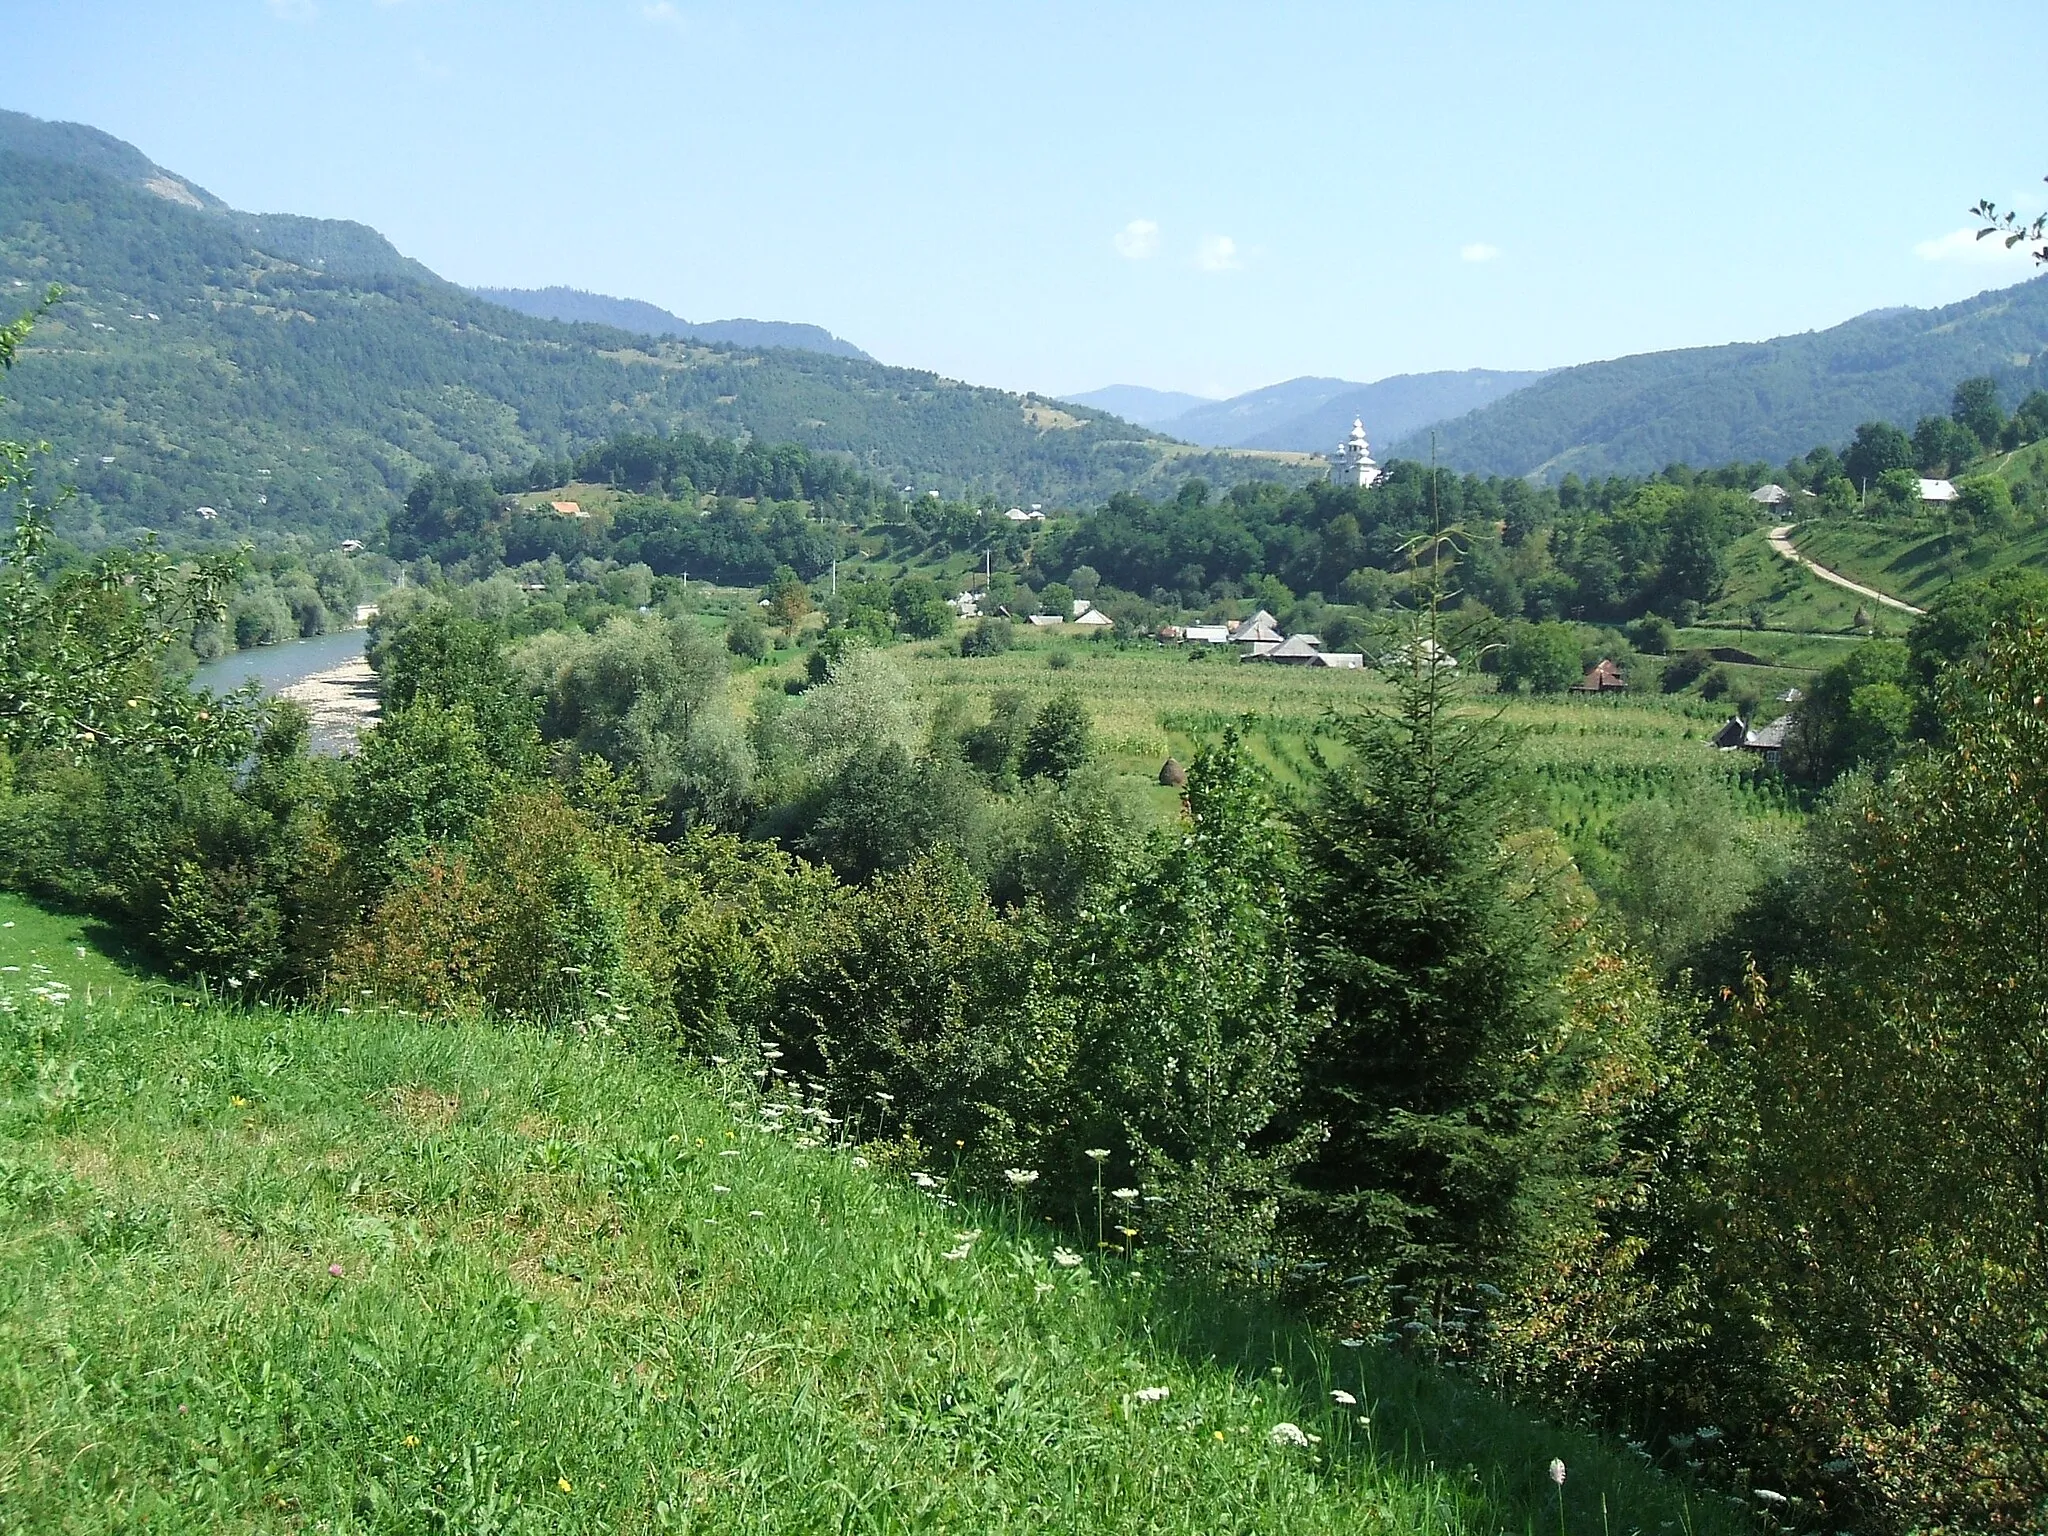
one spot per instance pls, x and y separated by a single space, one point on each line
412 1439
563 1484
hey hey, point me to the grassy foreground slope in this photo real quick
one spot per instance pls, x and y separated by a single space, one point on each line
294 1271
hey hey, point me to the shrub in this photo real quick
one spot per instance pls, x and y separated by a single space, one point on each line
1190 1026
990 637
746 636
543 912
1685 669
1060 739
919 1008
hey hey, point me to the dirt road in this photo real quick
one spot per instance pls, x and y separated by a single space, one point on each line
1781 541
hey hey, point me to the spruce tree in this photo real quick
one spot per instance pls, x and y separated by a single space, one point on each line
1429 948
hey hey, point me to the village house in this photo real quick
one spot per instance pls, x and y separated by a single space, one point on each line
1603 677
1766 741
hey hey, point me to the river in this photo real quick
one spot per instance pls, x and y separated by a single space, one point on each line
328 674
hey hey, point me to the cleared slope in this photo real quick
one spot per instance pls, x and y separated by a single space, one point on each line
301 1271
1767 400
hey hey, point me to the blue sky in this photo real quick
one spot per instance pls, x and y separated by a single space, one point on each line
1057 196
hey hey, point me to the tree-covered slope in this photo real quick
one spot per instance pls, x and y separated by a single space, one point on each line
300 373
1768 400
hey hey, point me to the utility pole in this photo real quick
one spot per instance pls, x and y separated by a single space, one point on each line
835 578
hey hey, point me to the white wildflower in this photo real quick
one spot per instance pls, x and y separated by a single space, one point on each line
1151 1394
1342 1398
858 1162
1352 1343
1125 1195
1066 1258
1098 1154
1284 1433
1021 1178
1557 1471
924 1181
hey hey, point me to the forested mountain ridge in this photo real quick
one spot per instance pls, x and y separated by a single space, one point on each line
1769 400
299 374
582 308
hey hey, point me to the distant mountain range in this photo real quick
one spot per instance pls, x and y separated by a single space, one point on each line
1134 402
1310 415
1750 401
578 307
295 375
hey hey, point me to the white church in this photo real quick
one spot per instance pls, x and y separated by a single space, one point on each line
1352 463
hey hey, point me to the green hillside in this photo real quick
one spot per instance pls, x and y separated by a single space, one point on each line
305 1271
299 373
1769 400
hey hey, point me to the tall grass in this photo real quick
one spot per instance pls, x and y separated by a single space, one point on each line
318 1271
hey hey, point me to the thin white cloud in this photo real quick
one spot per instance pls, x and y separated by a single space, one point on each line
1217 253
1963 246
293 10
1479 250
1137 240
663 13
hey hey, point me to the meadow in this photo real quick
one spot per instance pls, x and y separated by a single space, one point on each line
1916 564
1791 599
312 1270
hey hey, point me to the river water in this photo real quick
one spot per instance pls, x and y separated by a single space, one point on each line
328 674
279 666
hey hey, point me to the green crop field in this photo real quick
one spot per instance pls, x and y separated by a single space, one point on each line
1584 759
306 1271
